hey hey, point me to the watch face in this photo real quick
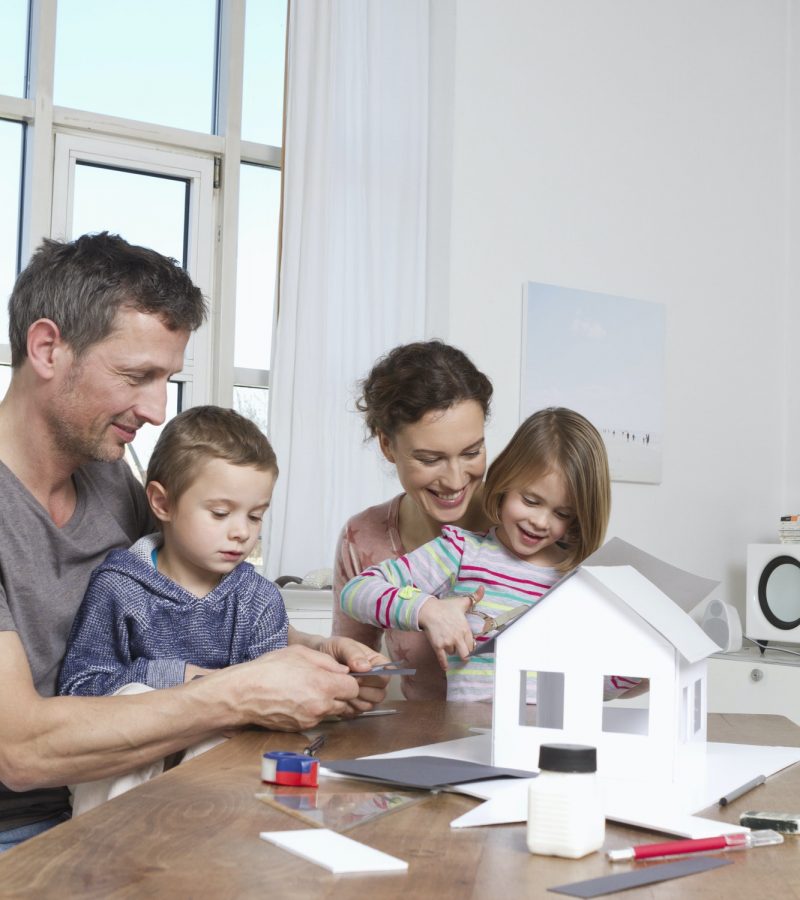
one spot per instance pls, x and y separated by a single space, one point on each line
779 592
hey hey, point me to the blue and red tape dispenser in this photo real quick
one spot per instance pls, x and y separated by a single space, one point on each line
284 767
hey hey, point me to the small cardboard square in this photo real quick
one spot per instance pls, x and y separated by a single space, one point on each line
652 874
335 852
425 772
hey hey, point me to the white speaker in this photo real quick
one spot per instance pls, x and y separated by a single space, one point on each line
721 623
772 611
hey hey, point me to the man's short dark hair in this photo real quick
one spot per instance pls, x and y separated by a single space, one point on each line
81 285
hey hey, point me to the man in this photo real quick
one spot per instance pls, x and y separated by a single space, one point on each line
97 327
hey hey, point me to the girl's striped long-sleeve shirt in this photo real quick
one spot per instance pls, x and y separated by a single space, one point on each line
391 594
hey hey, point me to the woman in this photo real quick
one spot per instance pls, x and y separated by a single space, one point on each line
426 404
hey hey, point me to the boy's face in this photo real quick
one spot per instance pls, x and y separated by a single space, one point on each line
214 524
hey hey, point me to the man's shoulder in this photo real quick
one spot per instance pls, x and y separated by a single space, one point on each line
112 487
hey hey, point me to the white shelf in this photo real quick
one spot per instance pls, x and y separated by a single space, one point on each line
747 682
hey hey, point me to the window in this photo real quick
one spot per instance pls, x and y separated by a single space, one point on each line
138 59
548 687
13 32
142 139
10 191
697 719
264 60
624 714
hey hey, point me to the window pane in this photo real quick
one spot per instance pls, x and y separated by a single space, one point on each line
151 60
5 380
259 209
253 404
13 46
145 209
10 178
264 57
138 452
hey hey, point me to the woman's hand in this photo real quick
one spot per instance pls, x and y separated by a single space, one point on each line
444 621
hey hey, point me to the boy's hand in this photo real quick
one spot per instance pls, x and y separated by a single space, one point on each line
444 621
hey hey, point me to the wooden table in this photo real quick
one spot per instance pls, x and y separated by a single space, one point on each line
193 832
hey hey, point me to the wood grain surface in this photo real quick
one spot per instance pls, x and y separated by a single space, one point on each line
194 831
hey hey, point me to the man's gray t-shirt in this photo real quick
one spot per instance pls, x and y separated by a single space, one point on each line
44 571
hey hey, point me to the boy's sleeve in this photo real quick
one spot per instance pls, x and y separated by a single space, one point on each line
98 660
391 595
271 627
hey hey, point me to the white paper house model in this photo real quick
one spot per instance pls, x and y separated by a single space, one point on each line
607 620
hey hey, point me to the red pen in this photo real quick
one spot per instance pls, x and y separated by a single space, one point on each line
740 841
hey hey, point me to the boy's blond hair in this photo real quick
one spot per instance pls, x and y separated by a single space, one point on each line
563 441
200 434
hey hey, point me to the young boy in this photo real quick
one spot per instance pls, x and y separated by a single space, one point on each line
183 602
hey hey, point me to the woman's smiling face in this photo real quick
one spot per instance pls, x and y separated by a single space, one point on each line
440 459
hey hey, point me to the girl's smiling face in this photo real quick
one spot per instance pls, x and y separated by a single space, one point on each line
534 516
440 459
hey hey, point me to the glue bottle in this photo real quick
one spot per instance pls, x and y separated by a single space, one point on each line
565 811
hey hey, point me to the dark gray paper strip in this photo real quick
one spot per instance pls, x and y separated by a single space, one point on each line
384 671
426 772
595 887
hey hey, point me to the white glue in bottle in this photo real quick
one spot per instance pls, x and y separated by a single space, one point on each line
565 810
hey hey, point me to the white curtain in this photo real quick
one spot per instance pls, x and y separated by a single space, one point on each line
353 259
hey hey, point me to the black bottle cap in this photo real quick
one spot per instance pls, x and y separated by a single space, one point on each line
567 758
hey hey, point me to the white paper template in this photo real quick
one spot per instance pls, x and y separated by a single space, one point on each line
335 852
727 767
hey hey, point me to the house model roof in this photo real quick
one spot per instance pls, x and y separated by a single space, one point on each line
658 592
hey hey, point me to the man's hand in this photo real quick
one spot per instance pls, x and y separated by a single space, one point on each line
444 621
287 690
359 658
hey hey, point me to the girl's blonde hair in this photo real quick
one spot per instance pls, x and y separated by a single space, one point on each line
558 440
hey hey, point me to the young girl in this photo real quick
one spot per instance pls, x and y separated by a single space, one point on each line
548 494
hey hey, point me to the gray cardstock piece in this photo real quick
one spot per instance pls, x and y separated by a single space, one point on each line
608 884
683 588
384 671
427 772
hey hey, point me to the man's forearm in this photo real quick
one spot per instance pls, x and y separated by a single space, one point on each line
62 740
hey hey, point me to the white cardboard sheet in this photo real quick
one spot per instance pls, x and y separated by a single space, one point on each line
334 851
668 810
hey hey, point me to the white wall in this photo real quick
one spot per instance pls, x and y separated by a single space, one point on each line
635 148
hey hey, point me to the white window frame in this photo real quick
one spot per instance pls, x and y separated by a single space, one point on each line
225 149
71 149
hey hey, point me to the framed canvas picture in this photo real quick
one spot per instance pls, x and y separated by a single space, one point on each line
603 356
